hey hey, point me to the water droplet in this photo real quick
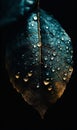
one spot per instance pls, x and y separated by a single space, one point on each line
58 68
47 73
39 44
67 51
67 47
57 60
22 55
46 82
50 88
69 40
31 71
33 62
36 59
30 2
17 76
67 66
48 52
71 52
25 79
35 18
65 74
30 74
34 46
58 41
36 54
54 53
70 69
51 78
54 32
38 85
62 38
60 48
69 60
47 79
52 42
46 27
52 58
53 70
71 57
64 78
45 58
32 24
45 66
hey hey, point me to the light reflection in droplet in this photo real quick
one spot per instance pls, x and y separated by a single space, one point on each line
46 82
25 79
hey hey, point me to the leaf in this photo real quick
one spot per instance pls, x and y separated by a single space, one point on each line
39 60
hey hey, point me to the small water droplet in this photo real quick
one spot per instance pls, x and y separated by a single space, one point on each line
29 74
39 44
62 38
65 74
53 70
38 85
71 52
71 57
67 66
47 79
31 71
25 79
58 68
58 41
67 51
64 78
60 48
36 54
35 18
34 46
46 27
48 52
33 62
52 58
45 66
67 47
69 60
54 53
22 55
45 58
57 60
47 73
54 32
70 69
17 76
50 88
69 40
46 82
51 78
36 59
32 24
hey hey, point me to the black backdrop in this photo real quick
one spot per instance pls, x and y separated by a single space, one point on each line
15 113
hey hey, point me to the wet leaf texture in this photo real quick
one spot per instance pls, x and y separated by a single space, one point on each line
39 59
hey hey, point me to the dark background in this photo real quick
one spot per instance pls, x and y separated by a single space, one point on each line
15 113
